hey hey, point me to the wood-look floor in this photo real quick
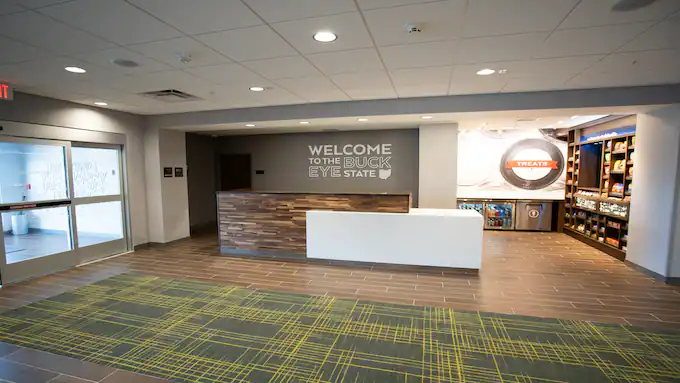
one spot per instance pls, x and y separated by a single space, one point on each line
540 274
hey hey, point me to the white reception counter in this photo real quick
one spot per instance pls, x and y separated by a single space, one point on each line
423 237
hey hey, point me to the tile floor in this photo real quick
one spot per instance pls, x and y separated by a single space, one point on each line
540 274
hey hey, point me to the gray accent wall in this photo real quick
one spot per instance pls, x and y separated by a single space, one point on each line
284 158
201 176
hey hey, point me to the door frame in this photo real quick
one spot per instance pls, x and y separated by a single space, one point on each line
19 131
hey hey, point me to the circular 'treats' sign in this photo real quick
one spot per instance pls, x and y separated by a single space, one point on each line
532 164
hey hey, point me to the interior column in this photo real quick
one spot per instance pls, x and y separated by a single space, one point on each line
438 166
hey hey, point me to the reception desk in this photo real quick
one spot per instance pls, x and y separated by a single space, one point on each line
274 224
423 237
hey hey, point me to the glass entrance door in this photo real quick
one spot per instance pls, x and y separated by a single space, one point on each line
61 205
35 207
98 201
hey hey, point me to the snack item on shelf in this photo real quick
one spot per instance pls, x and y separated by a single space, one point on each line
629 188
632 141
600 239
619 165
613 208
606 184
617 188
630 172
631 156
612 241
607 157
606 170
609 145
625 249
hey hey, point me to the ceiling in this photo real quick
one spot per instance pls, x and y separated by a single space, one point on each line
236 44
505 120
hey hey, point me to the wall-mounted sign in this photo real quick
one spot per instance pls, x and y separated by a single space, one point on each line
167 172
179 172
514 164
6 92
350 161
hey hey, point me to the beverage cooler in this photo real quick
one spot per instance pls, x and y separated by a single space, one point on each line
511 214
500 215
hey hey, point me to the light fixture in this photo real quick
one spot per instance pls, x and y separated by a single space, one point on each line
630 5
100 103
573 117
325 37
256 88
486 72
363 120
560 122
426 117
304 122
250 125
75 69
125 63
502 71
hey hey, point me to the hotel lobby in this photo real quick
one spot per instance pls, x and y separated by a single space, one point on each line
339 191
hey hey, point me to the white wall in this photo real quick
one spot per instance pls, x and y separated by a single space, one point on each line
173 153
154 197
47 111
655 190
438 159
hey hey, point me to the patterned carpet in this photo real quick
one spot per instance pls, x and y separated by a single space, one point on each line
198 332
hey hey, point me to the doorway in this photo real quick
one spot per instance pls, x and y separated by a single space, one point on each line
61 205
235 172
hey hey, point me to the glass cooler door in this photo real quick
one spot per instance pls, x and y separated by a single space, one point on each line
477 206
500 216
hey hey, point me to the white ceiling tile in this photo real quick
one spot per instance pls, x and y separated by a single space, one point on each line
41 31
598 12
631 62
274 11
499 48
594 79
421 76
493 17
205 15
248 44
588 41
314 89
105 59
349 28
421 82
8 7
113 20
14 51
283 67
464 80
170 52
661 36
432 54
374 4
365 85
274 96
230 74
31 4
174 79
438 21
356 60
562 66
535 83
51 71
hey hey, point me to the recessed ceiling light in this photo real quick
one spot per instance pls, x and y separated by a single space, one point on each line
325 37
560 122
304 122
100 103
426 117
75 69
362 119
486 72
256 88
250 125
573 117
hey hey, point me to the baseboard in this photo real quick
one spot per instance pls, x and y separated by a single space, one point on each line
654 274
158 244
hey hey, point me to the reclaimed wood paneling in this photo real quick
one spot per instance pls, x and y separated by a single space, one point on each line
276 222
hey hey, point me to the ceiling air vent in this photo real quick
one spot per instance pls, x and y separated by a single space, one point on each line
170 95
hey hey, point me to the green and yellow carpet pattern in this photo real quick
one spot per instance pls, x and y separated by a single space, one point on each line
197 332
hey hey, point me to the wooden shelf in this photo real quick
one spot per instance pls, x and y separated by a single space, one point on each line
620 152
616 195
629 178
617 172
629 163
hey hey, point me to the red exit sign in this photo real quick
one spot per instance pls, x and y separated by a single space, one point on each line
6 92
